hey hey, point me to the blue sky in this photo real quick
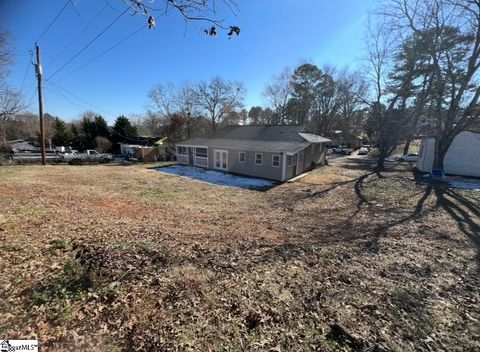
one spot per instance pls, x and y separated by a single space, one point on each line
274 34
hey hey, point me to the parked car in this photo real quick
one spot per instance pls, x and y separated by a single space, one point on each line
343 150
407 157
90 156
363 151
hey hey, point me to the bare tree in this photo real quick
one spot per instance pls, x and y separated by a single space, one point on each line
243 117
102 144
6 56
185 106
10 106
174 105
10 100
217 98
278 92
163 98
351 91
388 118
326 104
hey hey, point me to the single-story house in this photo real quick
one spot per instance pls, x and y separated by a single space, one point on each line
128 149
142 152
462 158
272 152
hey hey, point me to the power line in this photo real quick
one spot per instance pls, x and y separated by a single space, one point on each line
26 71
78 35
103 53
80 99
88 44
33 93
53 21
59 93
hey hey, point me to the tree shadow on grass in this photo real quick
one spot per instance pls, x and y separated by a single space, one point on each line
365 164
380 231
463 211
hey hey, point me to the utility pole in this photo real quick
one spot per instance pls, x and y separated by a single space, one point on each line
38 70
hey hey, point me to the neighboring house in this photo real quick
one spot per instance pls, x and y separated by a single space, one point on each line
273 152
142 152
462 158
128 149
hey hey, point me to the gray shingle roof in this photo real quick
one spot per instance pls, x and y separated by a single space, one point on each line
314 138
258 138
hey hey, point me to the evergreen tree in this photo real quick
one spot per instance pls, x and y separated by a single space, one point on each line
123 129
61 135
92 128
77 142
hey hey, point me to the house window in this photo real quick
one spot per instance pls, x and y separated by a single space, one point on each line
312 149
182 150
201 152
300 157
289 160
258 158
241 157
276 160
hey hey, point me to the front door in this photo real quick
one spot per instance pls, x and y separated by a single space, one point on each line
301 155
221 159
294 163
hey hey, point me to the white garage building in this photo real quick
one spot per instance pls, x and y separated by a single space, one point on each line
462 158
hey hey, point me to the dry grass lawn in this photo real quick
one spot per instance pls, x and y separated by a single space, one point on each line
121 258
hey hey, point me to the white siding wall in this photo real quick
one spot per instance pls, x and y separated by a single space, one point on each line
426 155
463 156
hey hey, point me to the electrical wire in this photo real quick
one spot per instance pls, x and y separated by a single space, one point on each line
53 21
78 35
103 53
59 93
26 72
88 44
32 95
80 99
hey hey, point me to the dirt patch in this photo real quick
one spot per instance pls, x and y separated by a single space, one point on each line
7 191
119 208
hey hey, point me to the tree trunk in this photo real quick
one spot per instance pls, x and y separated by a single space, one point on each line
440 152
407 146
381 160
214 125
3 130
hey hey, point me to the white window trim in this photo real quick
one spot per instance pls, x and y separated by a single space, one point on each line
261 154
279 160
182 146
244 157
197 158
195 152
